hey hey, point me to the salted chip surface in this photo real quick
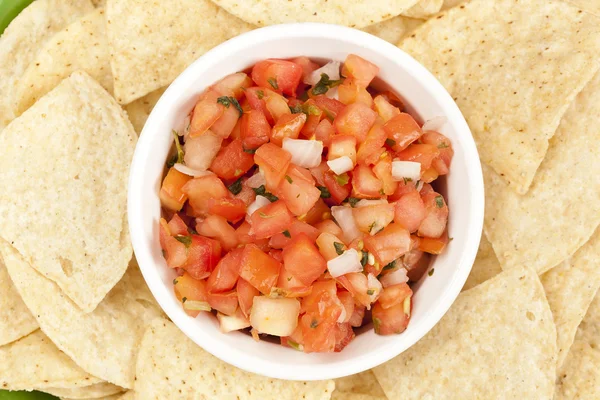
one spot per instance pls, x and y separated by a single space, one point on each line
69 189
80 46
24 37
98 390
171 366
34 362
424 9
140 109
354 13
15 319
497 340
513 67
486 265
104 342
150 50
362 383
562 208
394 29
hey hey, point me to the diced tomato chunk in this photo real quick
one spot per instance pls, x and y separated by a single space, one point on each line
280 75
342 145
324 132
256 101
347 302
337 191
365 184
274 162
430 174
216 227
201 190
298 190
402 188
307 65
329 226
171 193
246 293
359 69
357 317
319 212
287 126
254 129
372 219
232 161
327 242
175 252
259 269
393 295
322 310
225 303
277 105
231 209
270 219
444 146
314 117
355 119
302 259
434 245
402 130
206 112
383 171
357 284
190 289
233 85
225 124
389 244
290 283
421 153
349 92
177 226
387 321
331 107
436 216
370 147
410 211
203 254
225 275
344 334
385 110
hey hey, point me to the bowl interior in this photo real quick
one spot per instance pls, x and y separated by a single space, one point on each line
425 97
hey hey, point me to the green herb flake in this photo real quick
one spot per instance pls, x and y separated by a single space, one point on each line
450 239
175 281
311 109
365 258
339 248
289 278
191 231
329 115
431 271
342 179
186 240
250 151
287 178
352 201
390 142
286 233
265 216
184 300
180 153
442 146
439 201
164 253
260 94
382 192
325 84
263 192
324 192
294 345
235 187
172 161
273 83
406 180
297 109
228 100
371 292
376 324
391 265
314 324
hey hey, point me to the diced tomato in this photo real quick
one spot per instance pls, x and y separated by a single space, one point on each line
291 284
190 289
365 184
254 129
326 242
436 216
318 173
225 124
417 266
281 75
287 126
307 65
202 189
233 85
171 193
342 145
279 240
329 226
349 92
385 110
231 209
236 133
274 162
277 255
355 119
393 99
226 303
216 227
302 259
430 174
347 302
337 191
247 195
359 69
319 335
402 188
314 117
443 161
256 101
319 212
393 295
331 107
356 283
356 320
270 219
276 105
344 334
203 254
389 244
177 226
298 192
225 275
324 132
434 245
383 171
402 130
206 112
259 269
371 146
246 293
421 153
387 321
232 161
410 211
372 219
322 309
299 227
175 251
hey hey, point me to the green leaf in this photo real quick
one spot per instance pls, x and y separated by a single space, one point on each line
324 192
297 109
390 142
314 323
184 299
325 84
263 192
172 161
353 201
376 324
180 153
7 395
391 265
406 180
286 233
265 216
342 179
175 281
311 109
250 151
339 248
260 94
287 178
186 240
431 271
371 292
228 100
365 258
273 83
442 146
439 201
235 187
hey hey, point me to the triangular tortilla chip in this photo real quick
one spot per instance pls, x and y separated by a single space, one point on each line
98 390
139 110
393 29
486 265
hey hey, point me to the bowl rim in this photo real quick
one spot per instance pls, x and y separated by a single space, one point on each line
476 192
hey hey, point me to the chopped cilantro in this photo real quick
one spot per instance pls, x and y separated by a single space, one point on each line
164 253
228 100
342 179
406 180
439 201
339 248
235 187
390 142
450 239
289 278
391 265
263 192
172 161
287 178
183 300
314 323
250 151
260 94
371 292
175 281
325 84
294 345
177 158
382 192
442 146
286 233
365 258
273 83
297 109
191 231
353 201
376 324
324 192
186 240
311 109
263 215
431 271
329 115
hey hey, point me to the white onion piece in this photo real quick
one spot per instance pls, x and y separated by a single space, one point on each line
406 169
374 287
333 93
201 151
229 323
256 180
184 169
345 263
305 153
332 69
341 165
259 202
419 186
345 219
367 203
277 317
434 124
394 278
342 318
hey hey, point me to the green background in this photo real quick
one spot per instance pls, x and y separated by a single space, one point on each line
9 9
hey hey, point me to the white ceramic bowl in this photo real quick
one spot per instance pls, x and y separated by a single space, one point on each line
426 98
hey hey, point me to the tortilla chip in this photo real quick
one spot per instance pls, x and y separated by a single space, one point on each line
513 68
496 341
139 110
99 3
393 30
15 319
336 395
80 46
356 14
451 3
118 396
130 395
486 265
34 362
579 377
562 209
363 383
592 6
150 50
95 391
424 9
23 38
104 342
65 165
171 366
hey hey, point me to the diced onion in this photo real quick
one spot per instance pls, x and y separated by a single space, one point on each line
184 169
277 317
366 203
256 180
434 124
374 287
332 69
341 165
194 305
229 323
333 93
185 128
345 219
406 169
345 263
394 278
305 153
259 202
419 186
342 318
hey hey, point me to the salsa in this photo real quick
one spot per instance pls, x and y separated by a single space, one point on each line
298 203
